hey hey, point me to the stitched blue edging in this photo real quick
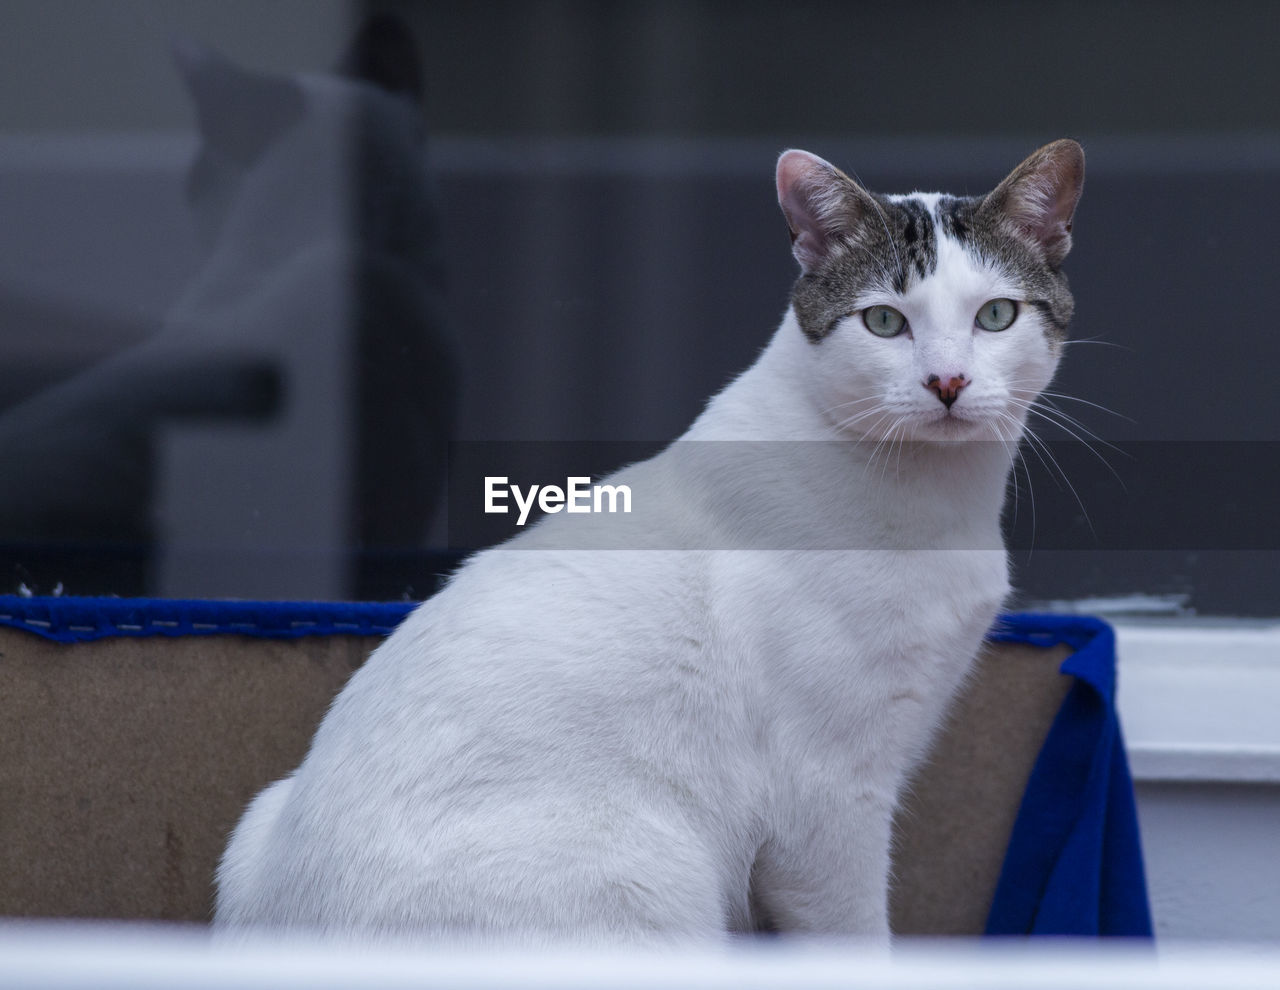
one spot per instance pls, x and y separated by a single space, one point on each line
75 620
1092 640
1047 629
79 620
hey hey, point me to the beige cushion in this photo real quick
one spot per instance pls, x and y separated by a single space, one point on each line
124 764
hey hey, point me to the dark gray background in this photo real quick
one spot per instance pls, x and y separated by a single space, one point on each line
615 253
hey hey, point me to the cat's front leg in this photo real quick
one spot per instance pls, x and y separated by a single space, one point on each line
828 872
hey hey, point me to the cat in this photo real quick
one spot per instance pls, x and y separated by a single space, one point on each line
310 339
705 729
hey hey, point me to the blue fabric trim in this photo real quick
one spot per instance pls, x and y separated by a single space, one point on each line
78 620
1074 863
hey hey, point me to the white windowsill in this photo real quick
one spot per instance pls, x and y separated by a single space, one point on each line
1199 701
74 956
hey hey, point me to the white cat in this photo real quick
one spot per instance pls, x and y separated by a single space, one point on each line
705 728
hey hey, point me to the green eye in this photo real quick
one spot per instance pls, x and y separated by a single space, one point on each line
997 314
884 321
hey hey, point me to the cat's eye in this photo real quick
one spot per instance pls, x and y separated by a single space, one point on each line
884 321
997 314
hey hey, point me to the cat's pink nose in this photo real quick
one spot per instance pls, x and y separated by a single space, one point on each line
946 389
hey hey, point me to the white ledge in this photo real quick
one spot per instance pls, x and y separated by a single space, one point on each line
72 957
1200 701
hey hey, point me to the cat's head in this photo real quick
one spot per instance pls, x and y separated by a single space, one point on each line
291 158
932 317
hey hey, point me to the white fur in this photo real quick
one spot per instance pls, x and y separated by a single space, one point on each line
707 727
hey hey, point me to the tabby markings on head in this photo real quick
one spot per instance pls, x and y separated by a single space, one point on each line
898 246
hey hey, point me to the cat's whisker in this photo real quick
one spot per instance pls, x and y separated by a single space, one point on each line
1036 409
1036 441
854 417
1098 342
876 449
1044 405
1004 441
1094 405
1061 419
846 424
897 467
1047 394
1016 430
897 440
894 442
880 444
852 402
1069 424
1012 444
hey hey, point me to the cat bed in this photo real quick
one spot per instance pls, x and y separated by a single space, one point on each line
134 732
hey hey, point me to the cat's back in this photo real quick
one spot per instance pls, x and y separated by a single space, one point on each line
509 722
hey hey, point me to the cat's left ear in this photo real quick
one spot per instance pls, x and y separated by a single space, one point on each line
1038 199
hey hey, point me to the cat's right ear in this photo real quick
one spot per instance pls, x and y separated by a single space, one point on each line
823 206
1038 200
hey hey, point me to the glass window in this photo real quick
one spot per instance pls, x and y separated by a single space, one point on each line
269 269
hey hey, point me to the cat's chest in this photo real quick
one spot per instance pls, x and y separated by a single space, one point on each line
860 632
880 600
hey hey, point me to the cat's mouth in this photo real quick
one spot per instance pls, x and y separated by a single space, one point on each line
952 424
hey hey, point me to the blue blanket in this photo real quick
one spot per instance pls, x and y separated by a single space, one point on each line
1074 862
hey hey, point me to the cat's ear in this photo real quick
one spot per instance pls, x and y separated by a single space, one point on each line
823 206
385 53
1038 199
239 112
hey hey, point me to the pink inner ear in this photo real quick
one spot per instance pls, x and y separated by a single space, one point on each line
794 167
809 198
1042 195
1047 207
